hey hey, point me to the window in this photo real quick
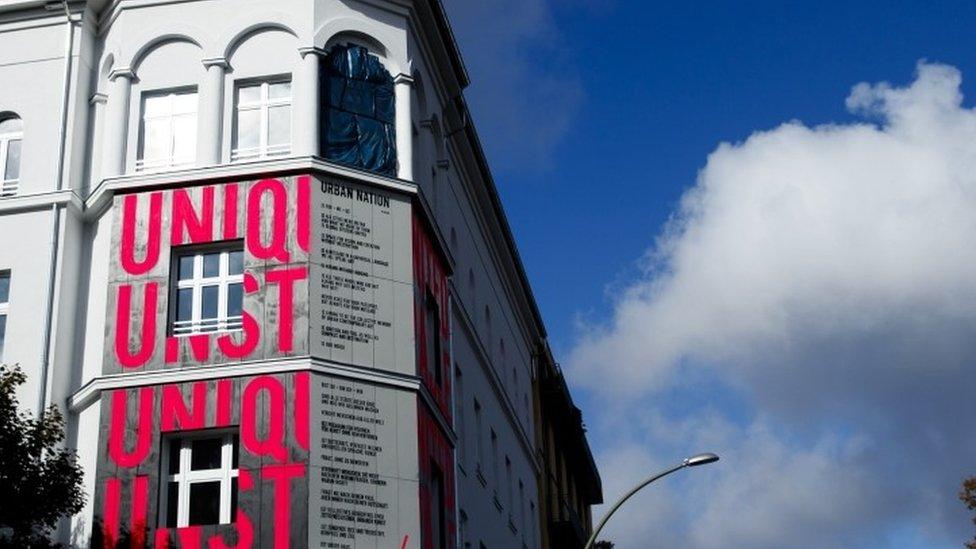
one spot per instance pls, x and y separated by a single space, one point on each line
263 124
494 459
463 528
11 138
488 329
509 499
200 474
432 339
208 290
438 522
479 430
169 130
521 506
459 426
359 126
531 529
4 303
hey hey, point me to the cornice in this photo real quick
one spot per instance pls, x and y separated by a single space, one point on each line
101 196
121 72
403 78
313 50
215 62
41 201
90 392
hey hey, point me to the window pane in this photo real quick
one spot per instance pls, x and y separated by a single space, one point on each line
3 330
248 129
205 503
185 137
11 125
205 454
279 125
172 501
184 103
211 265
174 457
158 105
12 170
4 288
235 300
249 94
279 90
209 304
235 442
155 142
186 267
236 262
184 304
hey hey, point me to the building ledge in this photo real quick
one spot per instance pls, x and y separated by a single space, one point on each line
90 392
101 195
40 201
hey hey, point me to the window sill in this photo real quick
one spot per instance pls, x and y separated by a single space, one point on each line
211 332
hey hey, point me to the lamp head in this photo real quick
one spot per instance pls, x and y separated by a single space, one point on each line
700 459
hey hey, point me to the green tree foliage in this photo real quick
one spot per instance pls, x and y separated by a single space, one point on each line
40 481
968 496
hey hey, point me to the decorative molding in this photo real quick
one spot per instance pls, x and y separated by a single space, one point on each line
216 62
403 78
90 391
41 201
122 72
101 196
313 50
98 97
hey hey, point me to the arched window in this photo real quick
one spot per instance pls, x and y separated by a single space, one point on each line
359 125
11 137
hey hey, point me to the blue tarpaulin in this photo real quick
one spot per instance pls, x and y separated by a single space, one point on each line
359 125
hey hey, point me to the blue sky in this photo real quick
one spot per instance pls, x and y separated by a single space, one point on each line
657 86
598 116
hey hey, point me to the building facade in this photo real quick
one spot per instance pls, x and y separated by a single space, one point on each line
254 251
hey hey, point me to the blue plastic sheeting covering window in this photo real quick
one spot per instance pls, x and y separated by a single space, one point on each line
359 128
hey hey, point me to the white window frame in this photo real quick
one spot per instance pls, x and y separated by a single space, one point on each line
263 105
223 280
185 477
9 187
171 161
4 307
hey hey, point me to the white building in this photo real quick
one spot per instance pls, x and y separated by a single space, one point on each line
148 152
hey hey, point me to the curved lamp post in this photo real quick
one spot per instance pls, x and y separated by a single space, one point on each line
693 461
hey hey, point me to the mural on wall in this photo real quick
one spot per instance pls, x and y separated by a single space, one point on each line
200 276
433 329
269 417
262 221
260 273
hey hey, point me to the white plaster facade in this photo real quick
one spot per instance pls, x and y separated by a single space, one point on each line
76 74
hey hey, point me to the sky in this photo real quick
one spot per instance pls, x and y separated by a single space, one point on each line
750 229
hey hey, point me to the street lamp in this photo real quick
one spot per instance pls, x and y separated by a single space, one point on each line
693 461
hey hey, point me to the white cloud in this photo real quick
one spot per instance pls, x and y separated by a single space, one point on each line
827 277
